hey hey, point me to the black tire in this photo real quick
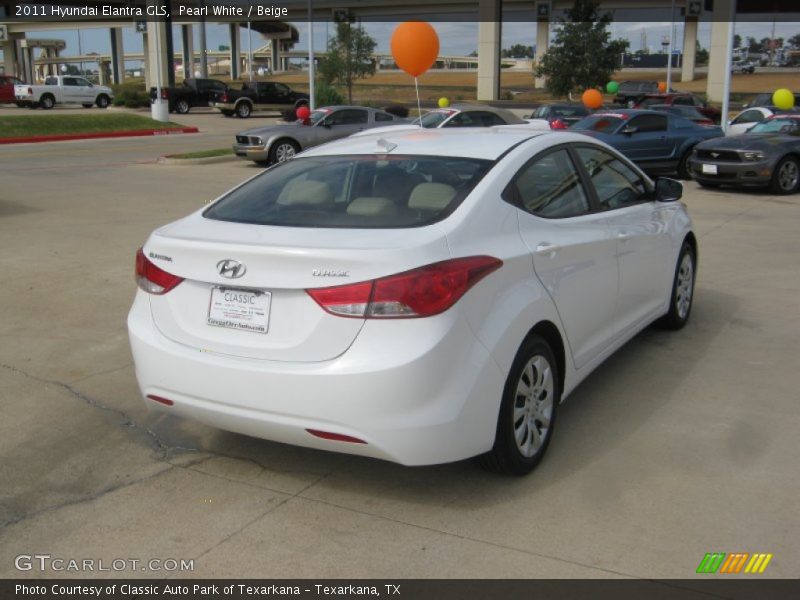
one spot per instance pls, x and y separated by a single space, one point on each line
47 101
182 106
506 455
280 150
87 105
683 166
244 110
227 113
102 101
678 314
712 185
786 176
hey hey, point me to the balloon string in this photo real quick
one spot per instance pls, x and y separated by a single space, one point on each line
419 106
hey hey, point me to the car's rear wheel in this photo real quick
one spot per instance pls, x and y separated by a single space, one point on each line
47 102
527 411
680 304
182 106
244 110
102 101
282 150
785 177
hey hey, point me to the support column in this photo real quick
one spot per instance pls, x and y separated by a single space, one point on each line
152 64
233 28
27 62
275 65
689 48
542 45
721 33
187 48
170 58
203 49
489 50
10 56
117 55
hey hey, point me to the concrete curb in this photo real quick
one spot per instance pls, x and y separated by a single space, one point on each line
93 136
208 160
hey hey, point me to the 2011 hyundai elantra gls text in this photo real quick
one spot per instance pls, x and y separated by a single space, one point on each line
420 296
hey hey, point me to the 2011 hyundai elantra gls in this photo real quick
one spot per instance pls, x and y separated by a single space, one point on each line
420 296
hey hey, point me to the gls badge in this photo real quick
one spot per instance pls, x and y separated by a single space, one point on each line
232 269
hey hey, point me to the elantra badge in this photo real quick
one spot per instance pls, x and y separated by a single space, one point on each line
232 269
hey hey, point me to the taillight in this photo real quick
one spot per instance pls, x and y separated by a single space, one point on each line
558 124
152 279
225 99
421 292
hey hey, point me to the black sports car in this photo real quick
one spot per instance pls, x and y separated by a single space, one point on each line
768 155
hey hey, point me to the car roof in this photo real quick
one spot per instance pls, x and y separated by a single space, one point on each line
342 106
504 112
488 143
627 113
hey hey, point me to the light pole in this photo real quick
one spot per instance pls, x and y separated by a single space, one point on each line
669 51
311 69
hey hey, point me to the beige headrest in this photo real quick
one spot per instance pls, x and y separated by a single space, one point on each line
305 192
370 206
431 196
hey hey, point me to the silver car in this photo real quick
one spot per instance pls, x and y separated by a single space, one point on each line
275 143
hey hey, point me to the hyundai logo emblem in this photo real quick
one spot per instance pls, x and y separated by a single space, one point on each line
232 269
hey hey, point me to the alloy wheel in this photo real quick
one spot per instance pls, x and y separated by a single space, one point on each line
685 286
284 152
533 406
788 175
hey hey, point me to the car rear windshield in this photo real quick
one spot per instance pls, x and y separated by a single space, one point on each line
570 111
365 192
434 118
599 123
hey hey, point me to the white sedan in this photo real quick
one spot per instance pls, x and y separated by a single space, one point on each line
420 297
747 118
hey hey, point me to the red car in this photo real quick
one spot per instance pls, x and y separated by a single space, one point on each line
7 83
681 100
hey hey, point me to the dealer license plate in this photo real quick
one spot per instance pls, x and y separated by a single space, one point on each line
709 169
246 310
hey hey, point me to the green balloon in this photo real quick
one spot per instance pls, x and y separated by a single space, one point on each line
612 87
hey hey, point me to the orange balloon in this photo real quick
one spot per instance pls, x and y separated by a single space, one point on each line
662 86
415 46
592 99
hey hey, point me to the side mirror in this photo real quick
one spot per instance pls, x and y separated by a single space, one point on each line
668 190
629 130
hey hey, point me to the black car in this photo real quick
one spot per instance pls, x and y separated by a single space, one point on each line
193 92
766 156
631 92
258 95
765 99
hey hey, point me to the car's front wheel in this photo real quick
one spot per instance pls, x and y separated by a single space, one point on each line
102 101
680 304
283 150
527 411
785 177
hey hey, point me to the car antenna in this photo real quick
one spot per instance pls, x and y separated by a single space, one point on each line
385 145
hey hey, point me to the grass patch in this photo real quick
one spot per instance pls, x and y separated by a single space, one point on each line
35 125
204 153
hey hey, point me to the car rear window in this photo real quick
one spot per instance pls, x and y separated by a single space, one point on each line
364 192
599 123
570 111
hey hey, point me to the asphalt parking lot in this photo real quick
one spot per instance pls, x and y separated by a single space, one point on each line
681 444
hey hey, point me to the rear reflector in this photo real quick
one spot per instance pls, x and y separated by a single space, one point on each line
421 292
336 437
161 400
152 279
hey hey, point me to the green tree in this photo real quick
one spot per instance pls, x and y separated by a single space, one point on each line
349 57
794 41
737 41
517 51
582 55
700 54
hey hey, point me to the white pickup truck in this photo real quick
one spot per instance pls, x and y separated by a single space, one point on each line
68 89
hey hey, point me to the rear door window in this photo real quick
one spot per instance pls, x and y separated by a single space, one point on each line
550 187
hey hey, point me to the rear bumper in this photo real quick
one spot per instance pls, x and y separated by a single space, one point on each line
427 393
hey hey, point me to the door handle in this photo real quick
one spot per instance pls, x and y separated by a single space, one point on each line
547 249
623 236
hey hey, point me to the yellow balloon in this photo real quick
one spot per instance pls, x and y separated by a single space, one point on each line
783 99
444 102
